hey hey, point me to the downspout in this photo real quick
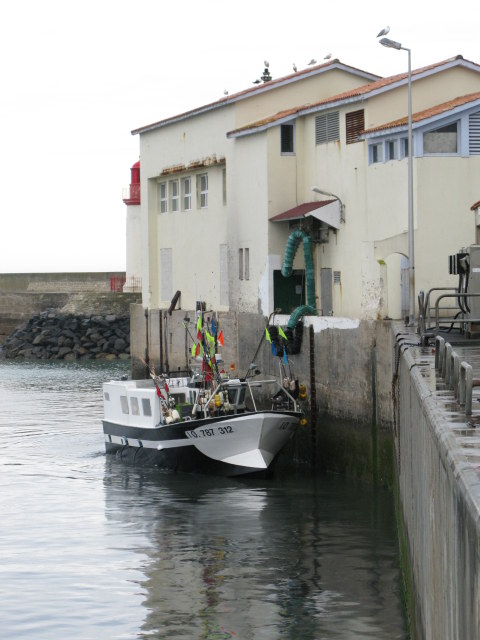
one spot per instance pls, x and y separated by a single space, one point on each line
294 239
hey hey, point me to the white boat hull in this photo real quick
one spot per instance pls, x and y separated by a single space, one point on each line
227 445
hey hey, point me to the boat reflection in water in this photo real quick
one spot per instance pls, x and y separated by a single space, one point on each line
226 558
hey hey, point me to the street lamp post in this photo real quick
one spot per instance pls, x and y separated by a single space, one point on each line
392 44
332 195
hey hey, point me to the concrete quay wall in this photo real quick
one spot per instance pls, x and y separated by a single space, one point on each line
61 282
439 497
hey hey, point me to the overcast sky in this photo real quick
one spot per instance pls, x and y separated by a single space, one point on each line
77 77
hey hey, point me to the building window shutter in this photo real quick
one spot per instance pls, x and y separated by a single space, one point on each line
327 128
354 125
474 134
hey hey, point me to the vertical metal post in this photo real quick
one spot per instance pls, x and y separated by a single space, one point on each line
160 335
313 399
147 347
411 247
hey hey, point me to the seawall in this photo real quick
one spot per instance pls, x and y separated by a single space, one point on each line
25 295
437 451
347 364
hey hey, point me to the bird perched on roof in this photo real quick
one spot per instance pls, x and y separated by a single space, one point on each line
295 67
328 56
383 32
266 63
225 93
312 61
257 81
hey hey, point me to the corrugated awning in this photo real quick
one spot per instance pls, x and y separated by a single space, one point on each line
327 211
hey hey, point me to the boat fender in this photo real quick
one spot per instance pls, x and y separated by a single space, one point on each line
218 400
175 415
168 420
292 385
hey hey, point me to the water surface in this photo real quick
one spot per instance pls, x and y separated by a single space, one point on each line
94 549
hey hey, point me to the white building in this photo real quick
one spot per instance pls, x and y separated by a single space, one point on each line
223 185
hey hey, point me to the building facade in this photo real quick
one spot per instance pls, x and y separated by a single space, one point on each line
223 187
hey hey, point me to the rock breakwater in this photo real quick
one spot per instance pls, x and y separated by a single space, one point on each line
55 336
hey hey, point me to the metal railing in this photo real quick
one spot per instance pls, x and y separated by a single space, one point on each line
131 194
133 284
425 309
457 373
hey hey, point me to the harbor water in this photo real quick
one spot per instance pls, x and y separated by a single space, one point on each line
94 549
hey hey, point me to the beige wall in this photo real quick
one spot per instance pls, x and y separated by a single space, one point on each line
134 267
307 91
426 92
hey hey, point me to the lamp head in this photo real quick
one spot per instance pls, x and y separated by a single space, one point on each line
391 44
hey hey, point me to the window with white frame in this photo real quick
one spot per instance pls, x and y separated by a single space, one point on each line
391 150
376 153
327 127
163 197
175 195
187 193
202 185
287 139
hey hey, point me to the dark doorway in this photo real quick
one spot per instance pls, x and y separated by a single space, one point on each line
288 293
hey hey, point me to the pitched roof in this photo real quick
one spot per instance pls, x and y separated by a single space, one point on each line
431 112
353 95
267 86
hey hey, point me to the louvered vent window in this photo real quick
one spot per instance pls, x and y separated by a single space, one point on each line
474 134
337 277
327 128
354 125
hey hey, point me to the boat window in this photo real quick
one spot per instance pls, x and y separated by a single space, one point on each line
124 404
147 407
179 397
106 395
237 396
134 405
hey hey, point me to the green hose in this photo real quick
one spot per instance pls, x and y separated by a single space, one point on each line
303 310
293 242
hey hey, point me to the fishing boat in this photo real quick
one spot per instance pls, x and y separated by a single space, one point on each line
206 422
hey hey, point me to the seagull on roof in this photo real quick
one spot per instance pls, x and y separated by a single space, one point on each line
312 61
295 67
257 81
383 32
328 56
266 63
225 93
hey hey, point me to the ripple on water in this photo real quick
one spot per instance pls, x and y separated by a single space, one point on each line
93 548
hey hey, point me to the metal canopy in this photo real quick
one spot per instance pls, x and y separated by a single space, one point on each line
327 211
